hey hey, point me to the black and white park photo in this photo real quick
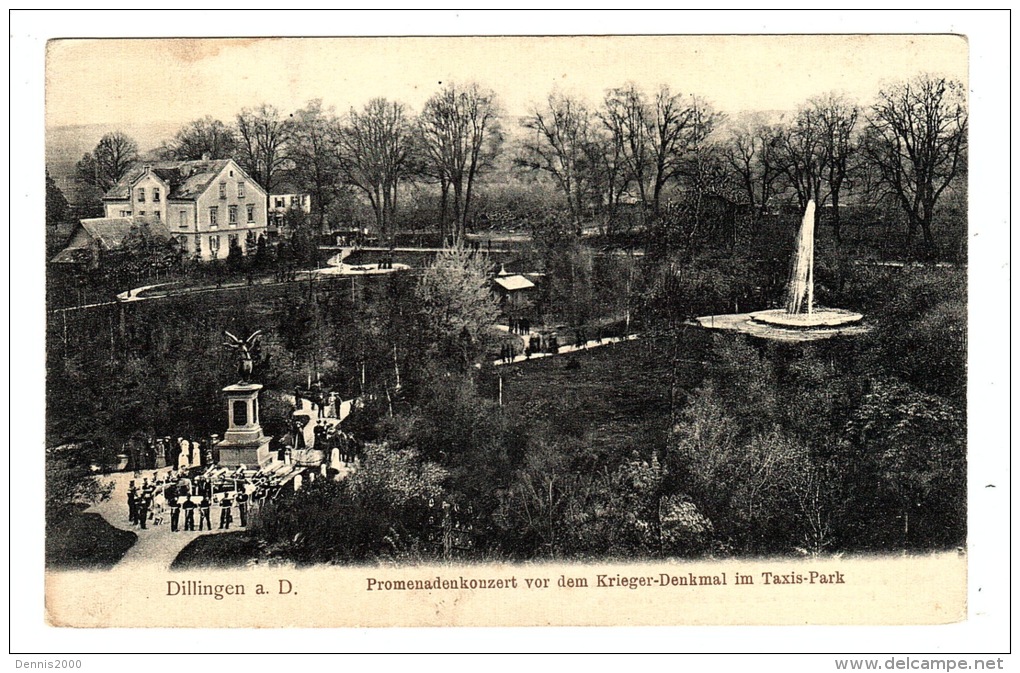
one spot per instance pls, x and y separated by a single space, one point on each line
457 302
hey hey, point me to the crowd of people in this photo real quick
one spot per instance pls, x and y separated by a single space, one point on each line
163 499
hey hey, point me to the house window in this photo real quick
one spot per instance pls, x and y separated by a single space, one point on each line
280 203
213 214
251 212
125 213
232 240
141 213
155 194
183 216
240 190
232 214
223 190
157 214
141 194
214 243
183 240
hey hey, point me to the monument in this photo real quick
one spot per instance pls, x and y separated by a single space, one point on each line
800 319
244 443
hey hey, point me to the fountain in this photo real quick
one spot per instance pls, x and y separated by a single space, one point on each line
800 320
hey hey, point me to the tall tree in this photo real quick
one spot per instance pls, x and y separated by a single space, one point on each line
461 136
456 306
560 147
752 155
917 139
625 114
837 119
109 161
316 162
263 136
802 148
57 208
374 149
205 136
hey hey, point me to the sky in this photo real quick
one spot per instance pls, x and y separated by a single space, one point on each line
122 81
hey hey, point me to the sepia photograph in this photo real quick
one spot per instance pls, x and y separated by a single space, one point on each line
506 330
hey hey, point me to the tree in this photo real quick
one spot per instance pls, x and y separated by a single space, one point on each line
263 138
456 306
752 154
374 148
109 161
917 139
560 147
57 208
202 137
837 119
625 114
461 136
313 151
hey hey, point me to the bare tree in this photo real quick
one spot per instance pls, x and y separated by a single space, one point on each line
802 148
625 114
917 139
263 136
314 134
837 118
109 161
560 147
461 136
205 136
752 155
374 148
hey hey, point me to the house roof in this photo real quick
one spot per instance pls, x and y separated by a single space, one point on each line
72 255
513 283
110 232
187 179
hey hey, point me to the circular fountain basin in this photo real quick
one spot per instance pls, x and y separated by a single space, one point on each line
819 317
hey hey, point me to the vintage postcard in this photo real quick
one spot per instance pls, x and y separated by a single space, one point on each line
507 331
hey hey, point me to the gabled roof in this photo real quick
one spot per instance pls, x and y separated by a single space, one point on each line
110 232
513 283
187 180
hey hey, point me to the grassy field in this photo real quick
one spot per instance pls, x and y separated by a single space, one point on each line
228 550
85 542
619 393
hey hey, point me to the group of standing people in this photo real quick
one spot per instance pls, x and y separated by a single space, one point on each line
329 437
520 326
155 453
176 493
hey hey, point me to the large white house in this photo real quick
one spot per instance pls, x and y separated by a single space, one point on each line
204 204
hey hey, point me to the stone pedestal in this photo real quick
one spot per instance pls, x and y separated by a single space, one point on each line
244 443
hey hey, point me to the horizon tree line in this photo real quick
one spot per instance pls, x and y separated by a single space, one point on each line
908 146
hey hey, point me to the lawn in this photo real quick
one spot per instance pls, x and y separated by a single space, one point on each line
82 541
619 392
228 550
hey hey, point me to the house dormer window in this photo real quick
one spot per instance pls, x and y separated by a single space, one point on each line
240 190
141 194
223 190
155 194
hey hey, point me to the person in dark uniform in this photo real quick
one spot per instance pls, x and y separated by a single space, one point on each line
204 518
175 513
242 507
143 509
189 514
132 499
225 515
